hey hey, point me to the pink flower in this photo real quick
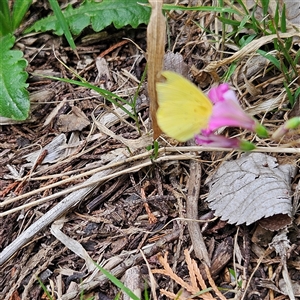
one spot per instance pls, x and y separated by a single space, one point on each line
228 112
214 140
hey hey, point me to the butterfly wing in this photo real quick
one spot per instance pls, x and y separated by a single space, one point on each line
183 109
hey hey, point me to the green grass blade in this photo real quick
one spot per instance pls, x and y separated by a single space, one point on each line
241 3
44 289
276 17
202 8
296 95
146 294
271 58
265 6
296 59
289 93
106 94
245 40
63 23
229 72
243 23
283 19
290 62
229 21
272 27
20 8
256 26
118 283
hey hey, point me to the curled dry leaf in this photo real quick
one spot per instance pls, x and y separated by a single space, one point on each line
156 38
251 188
76 120
174 62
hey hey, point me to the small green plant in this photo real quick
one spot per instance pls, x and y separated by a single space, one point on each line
10 20
233 274
283 59
111 97
14 97
155 148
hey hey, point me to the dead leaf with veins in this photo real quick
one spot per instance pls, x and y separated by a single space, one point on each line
252 188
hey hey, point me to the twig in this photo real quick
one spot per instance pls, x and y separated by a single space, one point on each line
192 212
86 184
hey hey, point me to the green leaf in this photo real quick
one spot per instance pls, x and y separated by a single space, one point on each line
20 8
296 95
289 93
283 19
270 57
62 22
276 16
14 98
99 15
5 19
296 59
245 40
265 6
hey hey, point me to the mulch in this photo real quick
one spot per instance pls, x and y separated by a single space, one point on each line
135 215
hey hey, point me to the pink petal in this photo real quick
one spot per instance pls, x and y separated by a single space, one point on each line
216 94
227 111
214 140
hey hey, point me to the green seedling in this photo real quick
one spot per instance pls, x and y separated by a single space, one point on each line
233 274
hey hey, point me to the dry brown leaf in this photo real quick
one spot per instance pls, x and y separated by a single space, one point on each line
281 244
71 244
103 76
156 36
174 62
76 120
251 188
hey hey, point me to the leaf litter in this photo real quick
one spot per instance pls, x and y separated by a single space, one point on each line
114 231
250 188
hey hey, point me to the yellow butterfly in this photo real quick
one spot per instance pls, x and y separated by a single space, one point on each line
183 109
